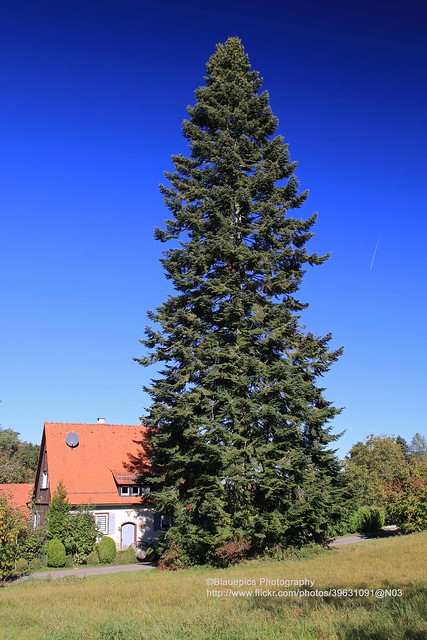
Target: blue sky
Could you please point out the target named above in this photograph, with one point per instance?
(93, 97)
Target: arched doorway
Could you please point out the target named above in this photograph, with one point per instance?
(127, 535)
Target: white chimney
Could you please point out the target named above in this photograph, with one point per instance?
(101, 420)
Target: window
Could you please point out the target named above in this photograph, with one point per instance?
(44, 480)
(162, 523)
(101, 520)
(134, 490)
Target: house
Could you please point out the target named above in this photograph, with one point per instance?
(93, 461)
(19, 495)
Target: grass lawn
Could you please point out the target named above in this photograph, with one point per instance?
(152, 605)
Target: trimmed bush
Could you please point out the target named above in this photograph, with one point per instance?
(56, 556)
(127, 556)
(35, 564)
(106, 550)
(368, 519)
(21, 565)
(93, 558)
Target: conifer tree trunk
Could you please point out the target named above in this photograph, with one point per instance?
(238, 426)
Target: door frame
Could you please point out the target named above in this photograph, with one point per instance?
(121, 532)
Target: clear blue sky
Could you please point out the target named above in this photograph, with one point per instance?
(93, 96)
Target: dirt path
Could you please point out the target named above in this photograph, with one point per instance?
(83, 572)
(339, 542)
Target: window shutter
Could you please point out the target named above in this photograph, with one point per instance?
(156, 522)
(112, 527)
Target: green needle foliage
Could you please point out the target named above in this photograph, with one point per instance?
(238, 428)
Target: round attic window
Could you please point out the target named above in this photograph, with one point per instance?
(72, 440)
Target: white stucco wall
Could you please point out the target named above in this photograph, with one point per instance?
(143, 519)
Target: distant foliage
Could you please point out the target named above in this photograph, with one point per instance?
(385, 472)
(18, 459)
(418, 446)
(56, 556)
(406, 497)
(106, 550)
(369, 465)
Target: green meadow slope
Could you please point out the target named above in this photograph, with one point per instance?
(374, 590)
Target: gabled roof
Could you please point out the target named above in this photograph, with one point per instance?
(92, 470)
(19, 494)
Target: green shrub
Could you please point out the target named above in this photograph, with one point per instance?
(21, 565)
(55, 553)
(80, 558)
(34, 543)
(127, 556)
(231, 552)
(173, 558)
(368, 519)
(93, 558)
(76, 528)
(35, 564)
(106, 550)
(79, 534)
(69, 561)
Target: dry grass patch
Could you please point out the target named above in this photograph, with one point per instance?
(151, 605)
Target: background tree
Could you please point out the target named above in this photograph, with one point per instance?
(13, 528)
(239, 429)
(388, 473)
(18, 460)
(400, 440)
(370, 465)
(418, 446)
(406, 496)
(57, 515)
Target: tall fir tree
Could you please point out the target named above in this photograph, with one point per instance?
(238, 429)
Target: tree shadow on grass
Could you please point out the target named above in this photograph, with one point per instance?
(392, 617)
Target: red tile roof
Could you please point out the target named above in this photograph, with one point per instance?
(19, 494)
(92, 470)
